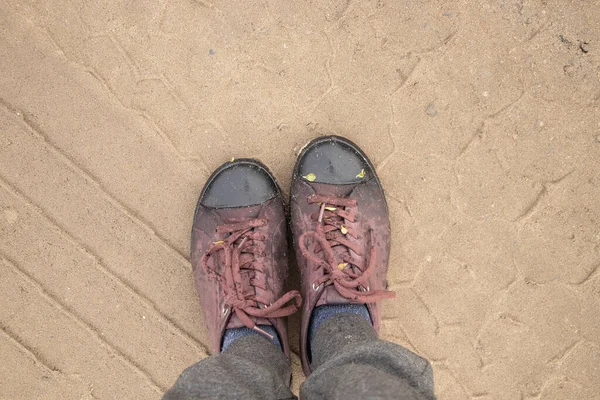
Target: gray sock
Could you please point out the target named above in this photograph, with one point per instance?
(233, 334)
(322, 313)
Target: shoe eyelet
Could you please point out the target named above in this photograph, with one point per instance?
(225, 310)
(365, 289)
(315, 287)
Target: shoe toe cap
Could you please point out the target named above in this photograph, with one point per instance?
(238, 184)
(334, 160)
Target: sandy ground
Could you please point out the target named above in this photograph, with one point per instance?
(483, 118)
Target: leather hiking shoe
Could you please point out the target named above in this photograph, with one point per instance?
(341, 231)
(239, 253)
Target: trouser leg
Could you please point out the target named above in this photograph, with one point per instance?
(350, 362)
(251, 368)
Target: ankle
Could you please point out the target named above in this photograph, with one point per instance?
(338, 332)
(322, 313)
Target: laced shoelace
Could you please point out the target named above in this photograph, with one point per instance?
(347, 274)
(244, 255)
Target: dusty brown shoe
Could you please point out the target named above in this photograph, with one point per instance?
(341, 231)
(239, 252)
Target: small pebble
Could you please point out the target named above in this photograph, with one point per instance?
(430, 110)
(211, 52)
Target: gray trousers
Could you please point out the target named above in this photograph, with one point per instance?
(348, 360)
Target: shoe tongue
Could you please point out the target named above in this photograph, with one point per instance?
(330, 296)
(235, 215)
(234, 322)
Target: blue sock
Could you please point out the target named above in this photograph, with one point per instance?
(322, 313)
(233, 334)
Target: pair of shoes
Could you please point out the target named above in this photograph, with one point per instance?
(341, 233)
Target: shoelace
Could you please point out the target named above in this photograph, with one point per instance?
(350, 276)
(243, 256)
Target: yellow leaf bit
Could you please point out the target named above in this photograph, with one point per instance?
(343, 229)
(219, 242)
(232, 159)
(342, 266)
(310, 177)
(330, 208)
(361, 174)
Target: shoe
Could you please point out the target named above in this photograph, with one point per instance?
(341, 231)
(239, 253)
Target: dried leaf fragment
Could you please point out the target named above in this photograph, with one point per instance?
(310, 177)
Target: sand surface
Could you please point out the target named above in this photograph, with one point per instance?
(482, 117)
